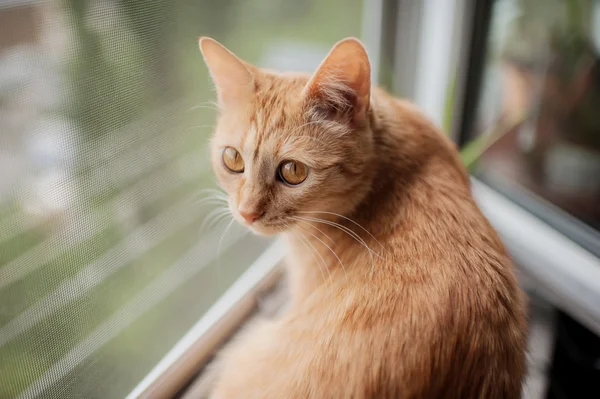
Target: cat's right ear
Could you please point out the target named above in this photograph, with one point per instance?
(233, 79)
(341, 86)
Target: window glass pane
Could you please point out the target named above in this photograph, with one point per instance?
(540, 107)
(105, 114)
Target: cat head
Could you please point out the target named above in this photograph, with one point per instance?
(288, 144)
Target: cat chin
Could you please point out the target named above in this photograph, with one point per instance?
(265, 231)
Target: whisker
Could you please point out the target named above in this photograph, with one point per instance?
(219, 251)
(223, 236)
(218, 218)
(213, 197)
(344, 229)
(350, 220)
(309, 250)
(206, 105)
(316, 228)
(328, 247)
(215, 213)
(211, 193)
(318, 253)
(210, 201)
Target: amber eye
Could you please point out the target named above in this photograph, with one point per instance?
(233, 160)
(293, 172)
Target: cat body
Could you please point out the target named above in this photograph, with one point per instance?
(400, 288)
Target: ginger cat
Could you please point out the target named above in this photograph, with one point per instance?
(400, 287)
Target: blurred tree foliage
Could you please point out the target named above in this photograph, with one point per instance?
(121, 71)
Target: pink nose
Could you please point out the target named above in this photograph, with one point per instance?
(250, 217)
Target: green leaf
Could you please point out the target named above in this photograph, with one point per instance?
(474, 149)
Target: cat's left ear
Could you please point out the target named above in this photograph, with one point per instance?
(232, 77)
(341, 86)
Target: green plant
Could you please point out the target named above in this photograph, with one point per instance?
(473, 150)
(449, 106)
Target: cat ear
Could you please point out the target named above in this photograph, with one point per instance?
(341, 86)
(231, 76)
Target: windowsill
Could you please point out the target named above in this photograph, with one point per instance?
(563, 272)
(270, 304)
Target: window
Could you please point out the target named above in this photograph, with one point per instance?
(105, 115)
(538, 102)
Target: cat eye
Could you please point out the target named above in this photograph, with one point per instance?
(293, 172)
(233, 160)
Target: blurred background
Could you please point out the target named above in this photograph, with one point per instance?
(105, 112)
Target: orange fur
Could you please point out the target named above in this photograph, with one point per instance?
(433, 310)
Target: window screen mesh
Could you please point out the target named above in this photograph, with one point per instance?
(105, 115)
